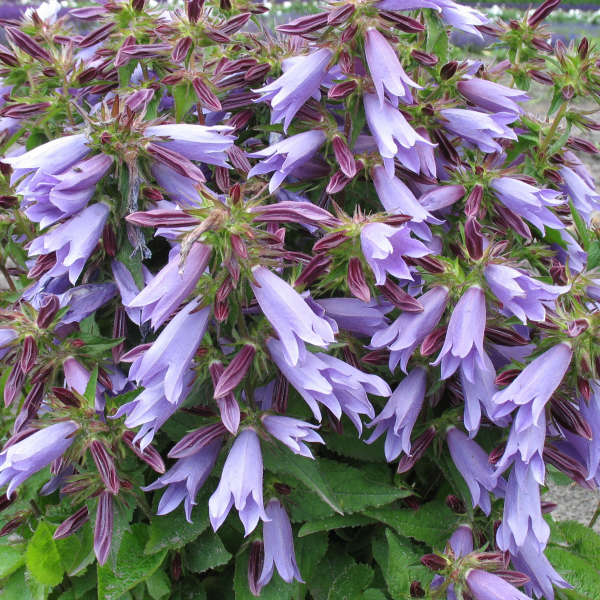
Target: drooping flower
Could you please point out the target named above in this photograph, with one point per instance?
(185, 478)
(73, 241)
(463, 345)
(195, 142)
(356, 316)
(301, 79)
(168, 359)
(48, 198)
(392, 132)
(411, 328)
(7, 336)
(294, 433)
(529, 202)
(399, 415)
(21, 460)
(522, 511)
(472, 462)
(384, 246)
(289, 314)
(83, 300)
(487, 586)
(241, 484)
(461, 541)
(386, 71)
(584, 196)
(128, 288)
(179, 188)
(463, 17)
(591, 413)
(320, 378)
(492, 96)
(285, 156)
(279, 546)
(480, 129)
(171, 285)
(520, 294)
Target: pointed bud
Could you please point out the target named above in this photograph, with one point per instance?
(401, 22)
(434, 562)
(337, 183)
(23, 110)
(376, 357)
(175, 161)
(235, 371)
(449, 70)
(72, 524)
(418, 448)
(109, 241)
(27, 44)
(304, 25)
(181, 49)
(30, 407)
(196, 440)
(433, 341)
(239, 120)
(425, 58)
(571, 467)
(29, 354)
(342, 90)
(399, 298)
(194, 10)
(344, 157)
(67, 397)
(103, 530)
(513, 221)
(583, 48)
(5, 501)
(455, 504)
(357, 283)
(576, 327)
(317, 266)
(348, 33)
(416, 590)
(505, 336)
(474, 238)
(13, 385)
(42, 265)
(541, 12)
(149, 454)
(548, 507)
(255, 566)
(205, 94)
(7, 57)
(515, 578)
(569, 417)
(280, 394)
(11, 525)
(473, 203)
(105, 465)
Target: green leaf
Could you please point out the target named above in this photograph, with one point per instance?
(593, 255)
(310, 550)
(582, 230)
(184, 98)
(334, 522)
(131, 259)
(173, 531)
(158, 585)
(580, 573)
(207, 552)
(282, 461)
(133, 566)
(432, 523)
(582, 540)
(346, 445)
(374, 594)
(351, 583)
(437, 37)
(19, 586)
(42, 556)
(12, 557)
(90, 388)
(336, 561)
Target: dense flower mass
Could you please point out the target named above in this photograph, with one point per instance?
(220, 238)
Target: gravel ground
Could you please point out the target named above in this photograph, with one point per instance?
(574, 503)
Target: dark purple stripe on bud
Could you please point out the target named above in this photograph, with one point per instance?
(542, 11)
(434, 562)
(399, 298)
(238, 159)
(12, 387)
(103, 530)
(72, 524)
(376, 357)
(340, 14)
(205, 94)
(569, 417)
(12, 525)
(222, 179)
(106, 466)
(577, 143)
(27, 44)
(305, 24)
(348, 33)
(433, 341)
(181, 49)
(193, 9)
(149, 454)
(239, 121)
(29, 354)
(430, 264)
(30, 407)
(304, 213)
(179, 163)
(161, 217)
(474, 238)
(234, 24)
(48, 310)
(416, 590)
(337, 183)
(43, 264)
(236, 371)
(515, 578)
(449, 70)
(196, 440)
(5, 501)
(571, 467)
(257, 73)
(418, 448)
(23, 110)
(401, 22)
(280, 394)
(255, 566)
(317, 266)
(513, 221)
(425, 58)
(7, 57)
(344, 157)
(455, 504)
(342, 90)
(473, 203)
(541, 77)
(541, 45)
(357, 284)
(505, 336)
(96, 36)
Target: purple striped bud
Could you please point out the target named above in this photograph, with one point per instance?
(235, 23)
(103, 530)
(67, 397)
(194, 441)
(473, 203)
(434, 562)
(181, 49)
(126, 53)
(515, 578)
(30, 407)
(304, 213)
(119, 331)
(317, 266)
(27, 44)
(473, 238)
(340, 14)
(236, 371)
(505, 337)
(577, 143)
(541, 77)
(280, 394)
(344, 157)
(449, 70)
(506, 377)
(342, 90)
(337, 183)
(205, 94)
(257, 73)
(425, 58)
(401, 22)
(149, 455)
(162, 217)
(7, 57)
(12, 525)
(5, 501)
(194, 9)
(416, 590)
(571, 467)
(433, 341)
(513, 221)
(418, 448)
(96, 36)
(541, 12)
(29, 354)
(12, 387)
(23, 110)
(179, 163)
(305, 25)
(399, 298)
(255, 566)
(106, 466)
(357, 283)
(72, 524)
(376, 357)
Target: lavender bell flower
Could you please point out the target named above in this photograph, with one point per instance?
(53, 157)
(48, 198)
(410, 328)
(591, 413)
(195, 142)
(392, 132)
(465, 18)
(294, 433)
(584, 196)
(574, 256)
(492, 96)
(521, 295)
(279, 546)
(301, 79)
(84, 300)
(241, 483)
(73, 241)
(522, 511)
(386, 71)
(285, 156)
(171, 285)
(356, 316)
(22, 459)
(472, 463)
(399, 415)
(461, 541)
(480, 129)
(185, 478)
(290, 316)
(529, 202)
(7, 336)
(169, 357)
(463, 345)
(487, 586)
(384, 246)
(128, 288)
(320, 378)
(542, 576)
(180, 189)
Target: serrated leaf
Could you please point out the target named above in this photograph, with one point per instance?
(16, 587)
(437, 36)
(184, 98)
(158, 585)
(42, 556)
(351, 583)
(374, 594)
(133, 566)
(582, 230)
(581, 539)
(12, 557)
(335, 561)
(334, 522)
(432, 523)
(207, 552)
(173, 531)
(346, 445)
(90, 388)
(593, 260)
(580, 573)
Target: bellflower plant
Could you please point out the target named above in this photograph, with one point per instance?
(222, 231)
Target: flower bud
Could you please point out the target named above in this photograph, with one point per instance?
(433, 341)
(103, 530)
(12, 387)
(569, 417)
(357, 283)
(72, 524)
(105, 465)
(196, 440)
(515, 578)
(474, 238)
(337, 183)
(507, 377)
(11, 525)
(205, 94)
(342, 90)
(399, 298)
(304, 25)
(280, 394)
(255, 565)
(344, 157)
(401, 22)
(194, 10)
(417, 449)
(28, 354)
(317, 266)
(27, 44)
(376, 357)
(434, 562)
(235, 371)
(416, 590)
(455, 504)
(181, 49)
(149, 455)
(425, 58)
(541, 12)
(340, 14)
(449, 70)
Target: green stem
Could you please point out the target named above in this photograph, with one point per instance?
(553, 127)
(595, 516)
